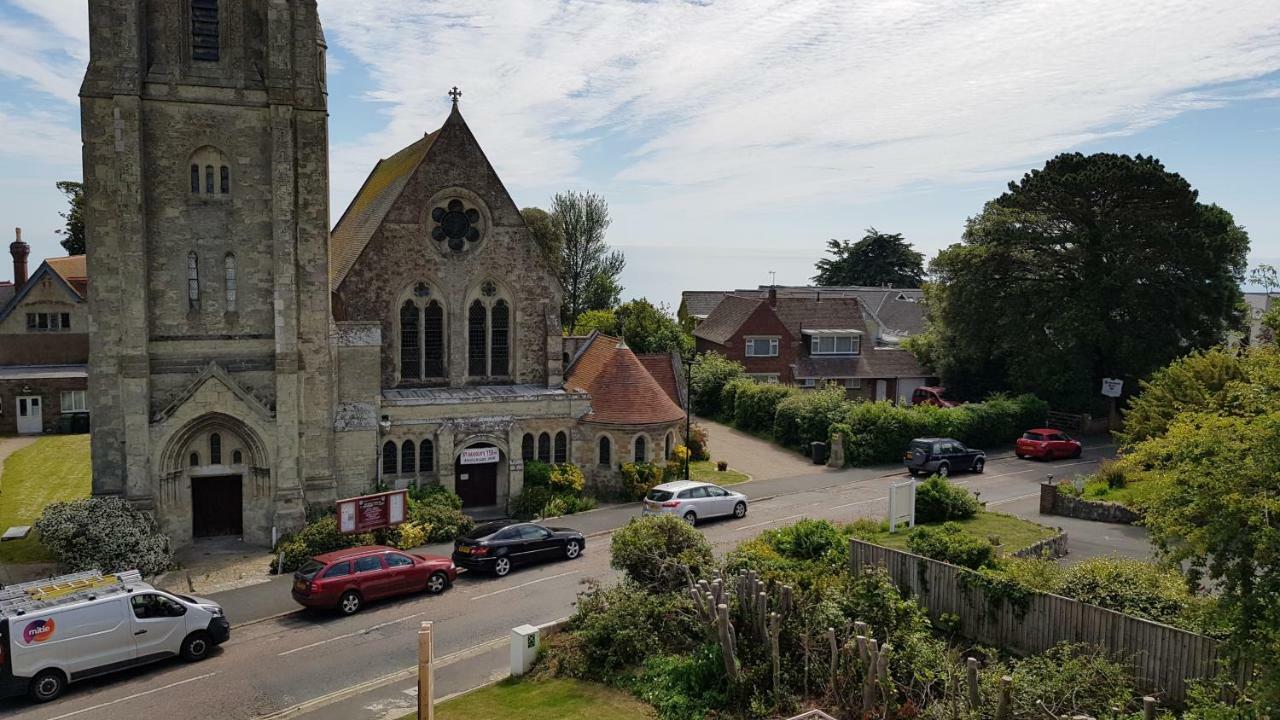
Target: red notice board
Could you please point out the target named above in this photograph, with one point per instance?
(370, 512)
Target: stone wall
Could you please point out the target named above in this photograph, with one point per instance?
(1053, 502)
(1052, 548)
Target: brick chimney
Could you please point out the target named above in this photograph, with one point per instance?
(19, 250)
(773, 296)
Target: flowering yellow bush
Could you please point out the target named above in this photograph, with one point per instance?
(567, 477)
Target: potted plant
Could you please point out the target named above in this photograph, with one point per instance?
(721, 465)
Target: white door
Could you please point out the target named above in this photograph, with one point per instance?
(29, 417)
(906, 386)
(882, 389)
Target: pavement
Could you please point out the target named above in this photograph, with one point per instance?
(283, 662)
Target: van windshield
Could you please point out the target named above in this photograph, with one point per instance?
(309, 570)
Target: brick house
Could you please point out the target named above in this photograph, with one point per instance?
(44, 345)
(810, 340)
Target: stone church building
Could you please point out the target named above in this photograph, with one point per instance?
(247, 363)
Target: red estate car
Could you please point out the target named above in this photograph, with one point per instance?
(1047, 444)
(347, 579)
(931, 395)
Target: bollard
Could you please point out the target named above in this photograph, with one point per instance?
(524, 649)
(426, 673)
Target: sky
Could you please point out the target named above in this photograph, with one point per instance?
(733, 138)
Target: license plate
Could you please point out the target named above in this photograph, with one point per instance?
(464, 549)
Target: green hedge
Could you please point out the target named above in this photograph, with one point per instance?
(756, 404)
(880, 432)
(807, 417)
(710, 373)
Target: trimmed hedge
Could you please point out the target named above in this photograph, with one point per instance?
(806, 417)
(710, 373)
(756, 404)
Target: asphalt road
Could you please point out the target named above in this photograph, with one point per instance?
(285, 662)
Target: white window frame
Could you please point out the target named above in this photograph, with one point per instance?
(79, 401)
(751, 340)
(767, 378)
(815, 345)
(808, 382)
(853, 383)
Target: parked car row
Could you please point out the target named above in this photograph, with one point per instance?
(943, 456)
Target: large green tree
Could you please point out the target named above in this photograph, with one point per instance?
(650, 328)
(877, 259)
(1095, 266)
(589, 270)
(73, 233)
(547, 235)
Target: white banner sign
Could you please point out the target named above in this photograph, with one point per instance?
(1111, 387)
(902, 505)
(479, 456)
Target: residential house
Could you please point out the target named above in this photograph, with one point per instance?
(44, 345)
(810, 339)
(891, 314)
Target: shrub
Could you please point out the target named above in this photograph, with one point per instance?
(806, 540)
(621, 625)
(442, 522)
(804, 555)
(1112, 473)
(938, 501)
(950, 543)
(320, 536)
(409, 535)
(567, 478)
(1070, 680)
(807, 417)
(697, 442)
(435, 495)
(684, 687)
(729, 396)
(756, 404)
(654, 551)
(710, 373)
(536, 474)
(639, 478)
(1134, 587)
(103, 533)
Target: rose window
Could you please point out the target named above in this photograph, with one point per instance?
(456, 224)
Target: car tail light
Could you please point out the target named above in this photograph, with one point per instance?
(671, 503)
(479, 550)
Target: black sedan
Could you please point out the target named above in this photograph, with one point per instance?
(498, 547)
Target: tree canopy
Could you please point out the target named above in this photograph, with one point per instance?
(589, 270)
(650, 328)
(877, 259)
(73, 233)
(1095, 266)
(547, 234)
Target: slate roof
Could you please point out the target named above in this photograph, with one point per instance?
(902, 317)
(622, 390)
(662, 366)
(727, 317)
(900, 311)
(700, 303)
(878, 363)
(809, 313)
(370, 206)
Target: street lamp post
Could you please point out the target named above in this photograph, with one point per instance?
(688, 400)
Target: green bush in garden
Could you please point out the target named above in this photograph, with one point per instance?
(566, 478)
(317, 537)
(756, 404)
(937, 500)
(655, 550)
(537, 474)
(711, 371)
(950, 543)
(697, 443)
(807, 417)
(103, 533)
(729, 396)
(639, 478)
(620, 625)
(684, 687)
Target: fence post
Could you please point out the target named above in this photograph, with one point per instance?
(1006, 698)
(426, 654)
(1148, 708)
(972, 675)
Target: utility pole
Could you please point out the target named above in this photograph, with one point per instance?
(688, 400)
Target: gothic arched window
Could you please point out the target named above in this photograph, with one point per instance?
(407, 459)
(433, 340)
(237, 458)
(526, 447)
(231, 282)
(500, 345)
(193, 281)
(215, 449)
(605, 450)
(410, 351)
(477, 327)
(642, 452)
(427, 458)
(489, 332)
(390, 456)
(210, 172)
(562, 448)
(544, 448)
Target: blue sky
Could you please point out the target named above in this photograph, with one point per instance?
(734, 138)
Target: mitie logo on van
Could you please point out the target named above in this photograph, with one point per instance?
(38, 631)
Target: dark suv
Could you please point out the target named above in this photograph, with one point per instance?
(942, 456)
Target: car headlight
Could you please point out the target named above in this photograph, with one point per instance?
(214, 610)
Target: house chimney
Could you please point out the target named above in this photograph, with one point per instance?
(19, 250)
(773, 296)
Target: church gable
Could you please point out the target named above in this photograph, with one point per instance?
(448, 267)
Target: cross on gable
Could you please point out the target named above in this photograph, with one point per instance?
(455, 93)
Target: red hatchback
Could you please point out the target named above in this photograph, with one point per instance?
(347, 579)
(1047, 444)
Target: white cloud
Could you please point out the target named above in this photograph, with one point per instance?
(47, 45)
(40, 137)
(743, 103)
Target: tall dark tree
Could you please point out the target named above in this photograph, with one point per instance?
(1096, 266)
(73, 233)
(589, 270)
(546, 233)
(877, 259)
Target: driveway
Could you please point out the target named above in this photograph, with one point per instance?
(760, 459)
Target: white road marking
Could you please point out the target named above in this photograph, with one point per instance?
(769, 522)
(1013, 499)
(135, 696)
(365, 631)
(517, 587)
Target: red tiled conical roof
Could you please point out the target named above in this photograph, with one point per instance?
(622, 390)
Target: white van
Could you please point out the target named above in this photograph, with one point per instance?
(58, 631)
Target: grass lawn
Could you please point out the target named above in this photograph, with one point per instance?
(1014, 533)
(51, 469)
(558, 699)
(1126, 495)
(705, 471)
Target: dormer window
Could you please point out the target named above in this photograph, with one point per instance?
(834, 342)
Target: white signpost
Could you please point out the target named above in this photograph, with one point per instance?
(902, 504)
(1111, 387)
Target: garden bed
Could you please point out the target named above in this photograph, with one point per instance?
(557, 699)
(52, 469)
(1015, 533)
(705, 471)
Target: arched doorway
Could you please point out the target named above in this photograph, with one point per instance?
(475, 473)
(216, 468)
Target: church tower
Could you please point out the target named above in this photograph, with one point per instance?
(205, 136)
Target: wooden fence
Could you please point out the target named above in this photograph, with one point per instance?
(1162, 658)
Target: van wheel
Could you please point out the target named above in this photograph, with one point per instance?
(196, 646)
(350, 602)
(943, 470)
(437, 583)
(47, 685)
